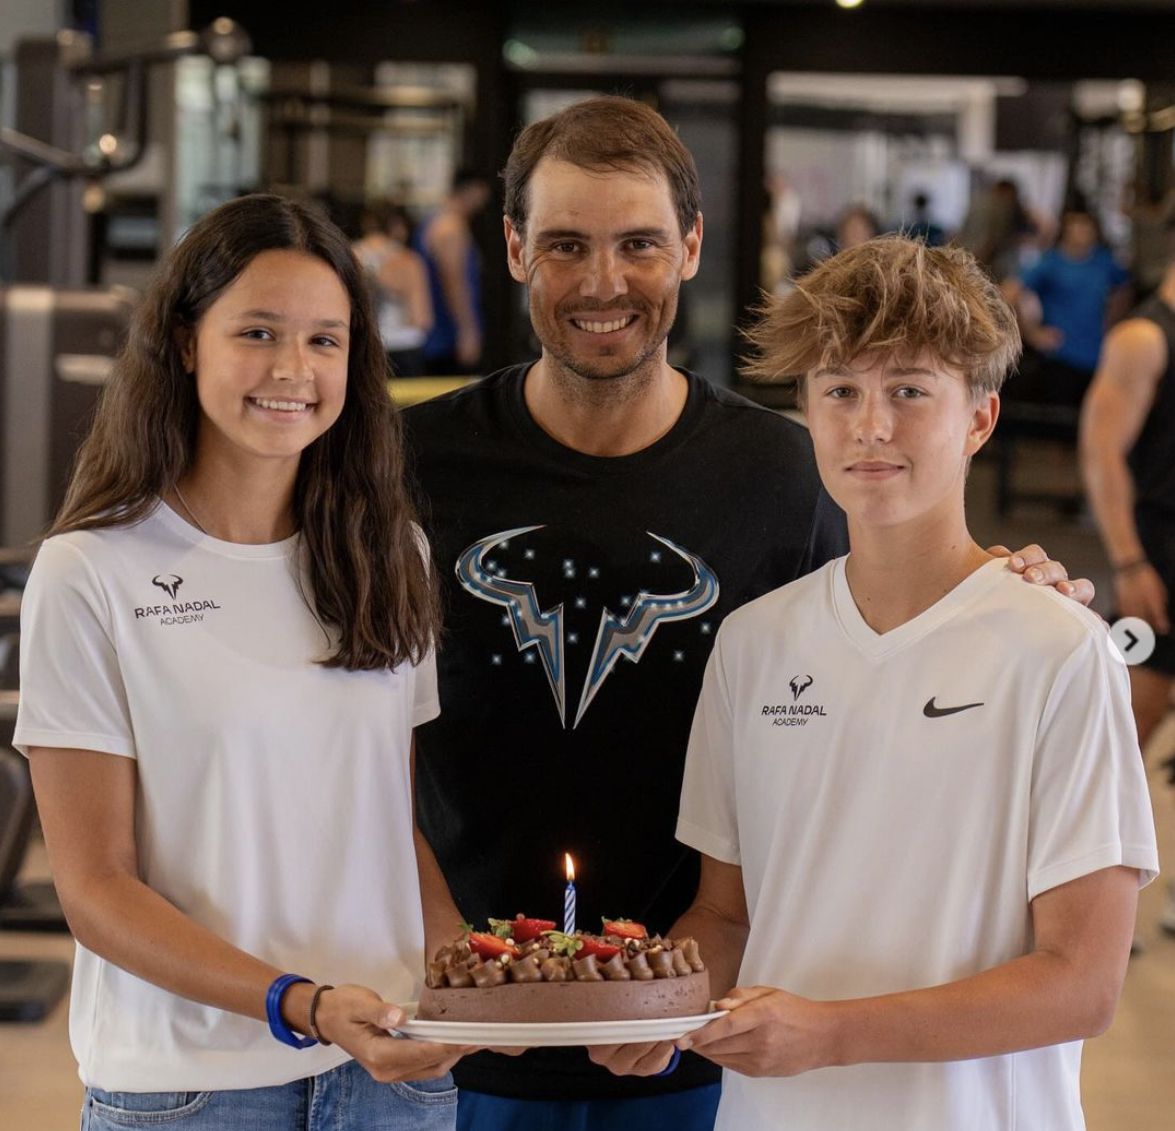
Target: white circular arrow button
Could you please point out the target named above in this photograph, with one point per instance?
(1133, 638)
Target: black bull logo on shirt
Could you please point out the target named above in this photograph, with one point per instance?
(169, 583)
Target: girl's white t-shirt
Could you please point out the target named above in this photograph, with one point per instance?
(274, 798)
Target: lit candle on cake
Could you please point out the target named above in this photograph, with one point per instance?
(569, 896)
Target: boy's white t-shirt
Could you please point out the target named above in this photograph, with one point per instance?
(274, 803)
(895, 801)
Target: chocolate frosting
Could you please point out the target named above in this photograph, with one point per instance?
(535, 961)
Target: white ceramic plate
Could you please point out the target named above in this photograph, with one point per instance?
(506, 1034)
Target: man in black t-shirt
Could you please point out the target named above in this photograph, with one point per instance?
(594, 516)
(1128, 459)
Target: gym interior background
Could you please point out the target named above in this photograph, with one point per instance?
(123, 121)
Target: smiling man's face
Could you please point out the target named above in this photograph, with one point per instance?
(603, 259)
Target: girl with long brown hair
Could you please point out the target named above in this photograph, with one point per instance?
(227, 640)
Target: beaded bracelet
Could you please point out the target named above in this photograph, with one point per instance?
(273, 1003)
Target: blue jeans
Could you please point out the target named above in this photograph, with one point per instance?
(344, 1099)
(691, 1110)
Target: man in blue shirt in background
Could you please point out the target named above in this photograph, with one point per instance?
(1079, 288)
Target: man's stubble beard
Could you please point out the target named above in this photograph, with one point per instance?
(584, 383)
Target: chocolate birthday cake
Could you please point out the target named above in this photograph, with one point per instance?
(523, 970)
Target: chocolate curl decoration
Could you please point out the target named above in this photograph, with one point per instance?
(488, 974)
(586, 969)
(526, 970)
(556, 969)
(660, 963)
(459, 977)
(689, 947)
(638, 967)
(615, 970)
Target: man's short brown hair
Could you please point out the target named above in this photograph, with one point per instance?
(610, 134)
(893, 297)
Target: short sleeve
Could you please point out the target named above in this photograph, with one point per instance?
(708, 817)
(1090, 808)
(426, 704)
(71, 688)
(829, 537)
(1117, 275)
(1035, 276)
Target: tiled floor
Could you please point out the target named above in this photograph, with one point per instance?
(1128, 1080)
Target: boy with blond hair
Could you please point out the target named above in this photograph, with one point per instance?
(915, 783)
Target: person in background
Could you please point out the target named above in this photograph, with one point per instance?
(1149, 213)
(445, 240)
(226, 642)
(1128, 464)
(783, 208)
(856, 224)
(594, 515)
(922, 226)
(400, 280)
(1064, 302)
(915, 780)
(997, 227)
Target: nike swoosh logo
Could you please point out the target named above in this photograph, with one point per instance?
(933, 712)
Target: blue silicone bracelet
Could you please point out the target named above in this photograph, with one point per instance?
(669, 1068)
(273, 1011)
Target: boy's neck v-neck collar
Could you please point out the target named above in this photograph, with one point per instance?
(879, 644)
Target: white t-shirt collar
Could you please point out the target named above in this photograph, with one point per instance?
(878, 644)
(179, 525)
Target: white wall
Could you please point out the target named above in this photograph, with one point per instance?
(22, 18)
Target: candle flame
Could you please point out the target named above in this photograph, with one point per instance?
(569, 865)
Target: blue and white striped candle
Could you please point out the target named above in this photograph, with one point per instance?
(569, 896)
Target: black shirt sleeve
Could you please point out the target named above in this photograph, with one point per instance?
(829, 536)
